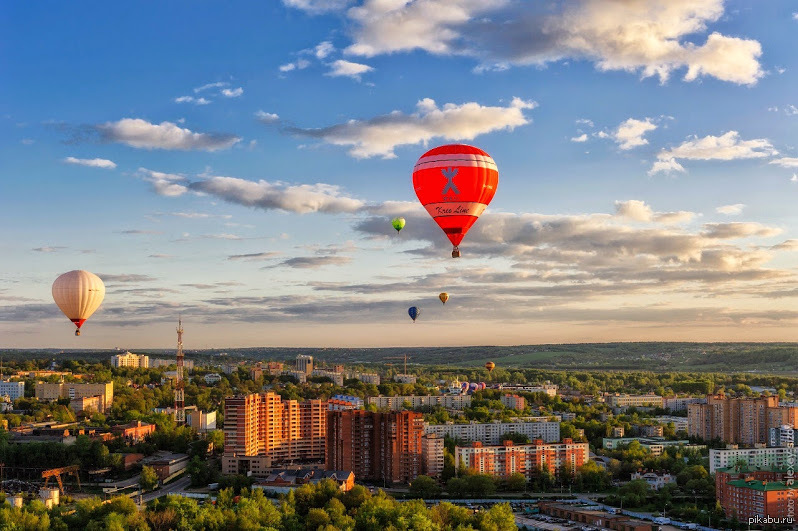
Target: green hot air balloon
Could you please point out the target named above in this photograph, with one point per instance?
(398, 223)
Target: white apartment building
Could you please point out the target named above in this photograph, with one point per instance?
(128, 359)
(780, 457)
(13, 390)
(212, 378)
(547, 388)
(336, 377)
(365, 377)
(680, 423)
(446, 401)
(490, 433)
(405, 378)
(654, 481)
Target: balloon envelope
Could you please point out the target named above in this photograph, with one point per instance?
(490, 365)
(414, 312)
(78, 293)
(455, 183)
(444, 297)
(398, 223)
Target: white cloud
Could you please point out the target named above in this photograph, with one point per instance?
(585, 121)
(795, 16)
(93, 163)
(580, 138)
(298, 65)
(168, 184)
(232, 93)
(791, 110)
(785, 162)
(647, 37)
(640, 211)
(379, 136)
(323, 49)
(630, 133)
(794, 178)
(738, 230)
(342, 68)
(731, 210)
(300, 199)
(191, 99)
(27, 141)
(267, 117)
(317, 6)
(728, 146)
(218, 84)
(142, 134)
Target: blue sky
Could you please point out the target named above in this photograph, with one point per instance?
(240, 163)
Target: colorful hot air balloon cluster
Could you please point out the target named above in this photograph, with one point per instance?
(472, 387)
(78, 293)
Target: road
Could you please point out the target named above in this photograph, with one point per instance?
(175, 486)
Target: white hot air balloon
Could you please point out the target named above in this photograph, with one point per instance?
(78, 294)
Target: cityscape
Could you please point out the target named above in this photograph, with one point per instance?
(399, 265)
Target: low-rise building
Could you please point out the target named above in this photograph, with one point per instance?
(166, 464)
(508, 458)
(133, 432)
(546, 388)
(344, 402)
(397, 402)
(86, 404)
(679, 423)
(492, 433)
(405, 378)
(656, 445)
(282, 481)
(274, 368)
(212, 378)
(624, 401)
(299, 376)
(654, 480)
(594, 517)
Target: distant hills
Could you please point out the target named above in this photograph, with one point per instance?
(709, 357)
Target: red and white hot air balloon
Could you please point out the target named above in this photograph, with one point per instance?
(455, 183)
(78, 293)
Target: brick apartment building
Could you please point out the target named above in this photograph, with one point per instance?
(384, 447)
(738, 420)
(262, 429)
(509, 458)
(749, 492)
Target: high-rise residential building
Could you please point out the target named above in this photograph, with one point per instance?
(384, 447)
(432, 455)
(263, 429)
(54, 391)
(304, 364)
(782, 436)
(514, 402)
(509, 458)
(738, 420)
(128, 359)
(13, 390)
(397, 402)
(760, 457)
(493, 432)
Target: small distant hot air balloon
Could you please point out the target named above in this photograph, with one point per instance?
(398, 223)
(464, 385)
(444, 297)
(78, 293)
(455, 183)
(482, 386)
(490, 365)
(414, 312)
(472, 387)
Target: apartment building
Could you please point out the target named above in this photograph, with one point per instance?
(680, 403)
(513, 402)
(509, 458)
(304, 364)
(491, 433)
(738, 420)
(757, 457)
(128, 359)
(13, 390)
(396, 402)
(623, 401)
(384, 447)
(262, 429)
(53, 391)
(432, 454)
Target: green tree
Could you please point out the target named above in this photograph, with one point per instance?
(148, 479)
(425, 487)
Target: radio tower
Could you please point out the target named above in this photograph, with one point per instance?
(180, 384)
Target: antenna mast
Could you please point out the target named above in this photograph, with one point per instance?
(180, 384)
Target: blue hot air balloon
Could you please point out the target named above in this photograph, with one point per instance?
(414, 312)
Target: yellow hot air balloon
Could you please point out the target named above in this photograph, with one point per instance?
(78, 293)
(444, 297)
(490, 365)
